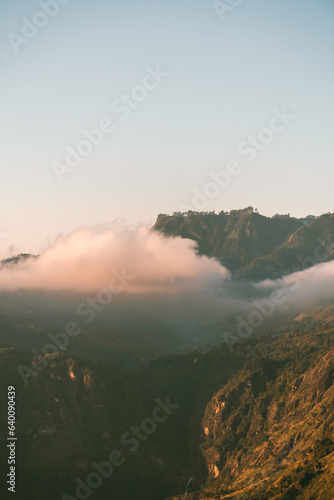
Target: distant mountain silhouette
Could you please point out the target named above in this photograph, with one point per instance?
(252, 245)
(12, 261)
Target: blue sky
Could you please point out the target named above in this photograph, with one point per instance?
(225, 78)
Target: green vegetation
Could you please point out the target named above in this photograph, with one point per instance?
(251, 245)
(257, 422)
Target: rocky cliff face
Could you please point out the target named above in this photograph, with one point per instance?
(268, 434)
(254, 424)
(253, 246)
(74, 413)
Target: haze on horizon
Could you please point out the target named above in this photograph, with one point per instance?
(137, 276)
(223, 80)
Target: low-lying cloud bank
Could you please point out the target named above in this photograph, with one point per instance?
(90, 258)
(146, 264)
(171, 298)
(305, 287)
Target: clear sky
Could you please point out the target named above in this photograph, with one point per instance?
(226, 75)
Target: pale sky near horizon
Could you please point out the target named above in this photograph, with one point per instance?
(225, 79)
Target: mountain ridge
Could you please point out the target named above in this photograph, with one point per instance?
(251, 245)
